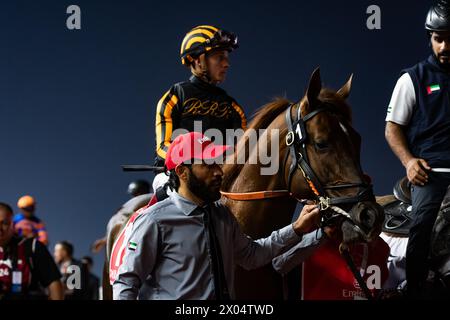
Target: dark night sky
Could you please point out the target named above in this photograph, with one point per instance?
(75, 105)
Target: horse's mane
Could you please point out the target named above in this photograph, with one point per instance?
(264, 116)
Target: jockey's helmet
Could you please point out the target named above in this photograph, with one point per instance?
(26, 202)
(138, 187)
(204, 38)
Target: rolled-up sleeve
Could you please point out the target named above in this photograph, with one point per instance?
(298, 253)
(139, 259)
(252, 254)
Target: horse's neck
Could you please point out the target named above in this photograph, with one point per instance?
(258, 218)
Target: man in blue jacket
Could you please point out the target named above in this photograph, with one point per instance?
(418, 132)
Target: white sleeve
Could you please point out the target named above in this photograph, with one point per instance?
(402, 102)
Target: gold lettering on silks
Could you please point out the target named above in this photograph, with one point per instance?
(194, 107)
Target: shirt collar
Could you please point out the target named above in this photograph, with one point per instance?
(197, 80)
(186, 206)
(202, 84)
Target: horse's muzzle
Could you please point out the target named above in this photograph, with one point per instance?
(365, 225)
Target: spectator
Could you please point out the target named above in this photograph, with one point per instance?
(25, 264)
(26, 224)
(93, 280)
(74, 274)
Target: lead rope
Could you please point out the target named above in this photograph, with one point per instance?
(362, 284)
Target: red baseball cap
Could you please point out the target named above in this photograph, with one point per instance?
(192, 146)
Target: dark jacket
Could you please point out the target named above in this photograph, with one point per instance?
(428, 132)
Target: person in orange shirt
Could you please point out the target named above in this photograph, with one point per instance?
(26, 224)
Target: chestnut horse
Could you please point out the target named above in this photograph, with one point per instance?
(319, 159)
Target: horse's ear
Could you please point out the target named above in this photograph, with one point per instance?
(344, 92)
(314, 87)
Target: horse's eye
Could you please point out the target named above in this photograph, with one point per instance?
(321, 146)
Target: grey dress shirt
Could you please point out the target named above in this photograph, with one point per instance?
(168, 252)
(299, 253)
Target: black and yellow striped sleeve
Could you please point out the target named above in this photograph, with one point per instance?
(164, 122)
(241, 114)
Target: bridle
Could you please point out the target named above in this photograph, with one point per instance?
(296, 139)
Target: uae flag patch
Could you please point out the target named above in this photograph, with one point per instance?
(433, 88)
(132, 246)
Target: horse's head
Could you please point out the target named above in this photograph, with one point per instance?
(329, 158)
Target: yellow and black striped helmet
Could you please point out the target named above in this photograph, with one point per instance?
(204, 38)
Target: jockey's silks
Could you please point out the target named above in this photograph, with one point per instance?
(195, 101)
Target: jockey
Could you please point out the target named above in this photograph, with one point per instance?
(26, 224)
(204, 50)
(418, 132)
(25, 264)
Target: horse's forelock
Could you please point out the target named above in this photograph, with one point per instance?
(330, 97)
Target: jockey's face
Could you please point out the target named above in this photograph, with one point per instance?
(218, 63)
(440, 42)
(205, 181)
(6, 226)
(28, 212)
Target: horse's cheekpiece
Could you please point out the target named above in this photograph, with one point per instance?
(329, 218)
